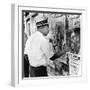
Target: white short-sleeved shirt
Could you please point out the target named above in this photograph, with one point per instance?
(38, 49)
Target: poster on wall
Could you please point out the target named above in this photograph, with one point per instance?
(47, 43)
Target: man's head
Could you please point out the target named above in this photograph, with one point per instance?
(44, 29)
(43, 26)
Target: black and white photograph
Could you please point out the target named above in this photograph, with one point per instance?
(47, 45)
(51, 44)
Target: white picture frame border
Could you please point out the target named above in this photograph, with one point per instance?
(16, 47)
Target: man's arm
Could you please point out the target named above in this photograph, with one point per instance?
(45, 47)
(59, 54)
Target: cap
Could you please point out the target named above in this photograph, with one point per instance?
(42, 23)
(34, 15)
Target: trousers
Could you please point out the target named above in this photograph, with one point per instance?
(40, 71)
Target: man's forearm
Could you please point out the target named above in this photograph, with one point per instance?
(58, 54)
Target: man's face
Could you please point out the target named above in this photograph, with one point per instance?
(45, 30)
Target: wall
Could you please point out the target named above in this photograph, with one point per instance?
(5, 45)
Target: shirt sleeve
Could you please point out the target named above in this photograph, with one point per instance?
(46, 48)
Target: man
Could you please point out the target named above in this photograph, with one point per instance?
(38, 50)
